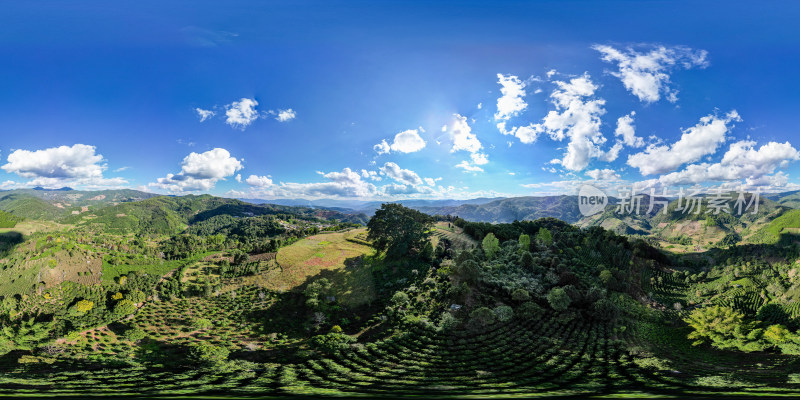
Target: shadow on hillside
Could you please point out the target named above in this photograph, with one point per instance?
(9, 241)
(787, 245)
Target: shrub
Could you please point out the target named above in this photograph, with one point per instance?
(490, 245)
(332, 342)
(82, 307)
(400, 299)
(503, 313)
(529, 311)
(206, 353)
(482, 316)
(134, 334)
(124, 307)
(559, 299)
(448, 322)
(520, 295)
(136, 296)
(202, 323)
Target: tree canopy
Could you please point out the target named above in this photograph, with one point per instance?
(398, 230)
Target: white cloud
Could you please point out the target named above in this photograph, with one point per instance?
(405, 176)
(285, 115)
(370, 175)
(212, 164)
(76, 165)
(480, 105)
(240, 114)
(239, 178)
(627, 130)
(468, 167)
(407, 141)
(695, 142)
(9, 185)
(200, 171)
(463, 138)
(577, 117)
(510, 104)
(77, 161)
(646, 74)
(204, 114)
(347, 184)
(259, 181)
(479, 158)
(602, 174)
(382, 147)
(741, 162)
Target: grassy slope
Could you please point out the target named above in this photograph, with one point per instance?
(324, 255)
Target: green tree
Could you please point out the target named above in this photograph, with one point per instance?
(316, 292)
(467, 271)
(398, 230)
(503, 313)
(448, 322)
(23, 335)
(400, 299)
(81, 307)
(529, 311)
(124, 307)
(724, 328)
(207, 354)
(558, 298)
(490, 245)
(520, 295)
(136, 296)
(202, 323)
(524, 243)
(482, 316)
(134, 334)
(544, 237)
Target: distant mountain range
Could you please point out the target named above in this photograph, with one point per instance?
(369, 207)
(132, 208)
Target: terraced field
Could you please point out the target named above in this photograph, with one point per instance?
(545, 357)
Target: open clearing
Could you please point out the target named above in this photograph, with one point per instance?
(328, 255)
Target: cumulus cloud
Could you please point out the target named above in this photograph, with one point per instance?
(465, 140)
(405, 176)
(576, 117)
(76, 165)
(370, 175)
(285, 115)
(240, 114)
(77, 161)
(258, 181)
(695, 142)
(626, 129)
(407, 141)
(467, 167)
(511, 103)
(204, 114)
(602, 174)
(200, 171)
(646, 74)
(213, 164)
(741, 162)
(347, 184)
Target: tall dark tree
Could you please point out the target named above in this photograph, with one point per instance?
(398, 230)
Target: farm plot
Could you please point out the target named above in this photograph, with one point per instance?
(333, 256)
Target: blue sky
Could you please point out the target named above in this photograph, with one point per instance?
(398, 99)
